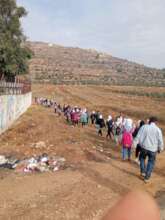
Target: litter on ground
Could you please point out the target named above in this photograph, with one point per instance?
(43, 163)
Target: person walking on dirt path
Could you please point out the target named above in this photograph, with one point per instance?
(97, 121)
(68, 115)
(109, 125)
(73, 115)
(117, 131)
(88, 116)
(59, 110)
(127, 141)
(93, 117)
(55, 107)
(76, 117)
(151, 140)
(138, 147)
(97, 117)
(128, 125)
(84, 118)
(101, 125)
(119, 119)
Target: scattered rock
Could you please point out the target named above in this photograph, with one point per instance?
(38, 145)
(99, 186)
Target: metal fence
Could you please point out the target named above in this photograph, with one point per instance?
(12, 88)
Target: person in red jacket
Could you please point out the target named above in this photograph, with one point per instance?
(127, 141)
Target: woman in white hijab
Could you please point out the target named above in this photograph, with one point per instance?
(128, 125)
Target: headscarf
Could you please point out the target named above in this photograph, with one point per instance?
(109, 118)
(128, 124)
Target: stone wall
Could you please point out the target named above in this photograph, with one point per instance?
(12, 107)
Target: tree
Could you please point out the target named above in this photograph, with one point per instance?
(13, 52)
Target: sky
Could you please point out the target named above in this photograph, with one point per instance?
(129, 29)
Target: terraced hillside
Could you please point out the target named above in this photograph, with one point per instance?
(62, 65)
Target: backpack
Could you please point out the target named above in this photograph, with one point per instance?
(127, 139)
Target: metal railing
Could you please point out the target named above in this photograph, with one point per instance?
(12, 88)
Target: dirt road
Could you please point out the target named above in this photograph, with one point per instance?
(96, 177)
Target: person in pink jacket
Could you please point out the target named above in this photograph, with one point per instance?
(127, 141)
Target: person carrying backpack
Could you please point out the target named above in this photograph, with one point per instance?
(127, 141)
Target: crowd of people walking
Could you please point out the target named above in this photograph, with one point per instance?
(145, 137)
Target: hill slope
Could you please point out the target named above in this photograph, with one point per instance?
(66, 65)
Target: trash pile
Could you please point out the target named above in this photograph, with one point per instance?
(8, 162)
(42, 163)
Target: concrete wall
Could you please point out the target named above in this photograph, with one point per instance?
(11, 107)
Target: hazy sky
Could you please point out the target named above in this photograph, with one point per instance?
(131, 29)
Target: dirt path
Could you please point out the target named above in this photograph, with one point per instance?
(96, 179)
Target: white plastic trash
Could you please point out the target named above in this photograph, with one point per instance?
(3, 160)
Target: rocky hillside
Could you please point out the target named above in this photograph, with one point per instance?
(66, 65)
